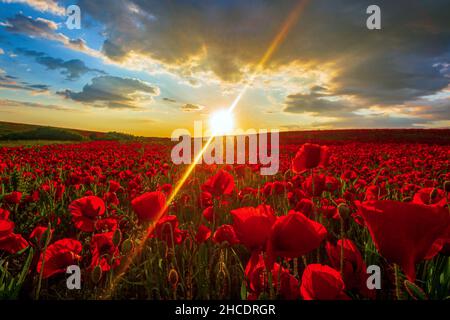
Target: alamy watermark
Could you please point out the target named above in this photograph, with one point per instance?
(73, 13)
(231, 149)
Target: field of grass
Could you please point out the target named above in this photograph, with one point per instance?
(30, 143)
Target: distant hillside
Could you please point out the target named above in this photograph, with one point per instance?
(20, 131)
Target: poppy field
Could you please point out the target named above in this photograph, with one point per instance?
(341, 220)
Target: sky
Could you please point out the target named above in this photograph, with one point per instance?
(149, 67)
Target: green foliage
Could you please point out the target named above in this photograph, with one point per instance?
(10, 285)
(113, 135)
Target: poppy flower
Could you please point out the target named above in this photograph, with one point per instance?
(305, 206)
(321, 282)
(149, 206)
(205, 200)
(354, 267)
(85, 212)
(393, 226)
(166, 229)
(111, 198)
(59, 256)
(104, 253)
(37, 233)
(314, 185)
(105, 225)
(252, 225)
(222, 183)
(13, 197)
(4, 214)
(310, 156)
(430, 196)
(203, 234)
(114, 186)
(225, 233)
(258, 282)
(294, 235)
(10, 241)
(209, 214)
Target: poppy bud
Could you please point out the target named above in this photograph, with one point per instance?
(127, 247)
(96, 274)
(117, 237)
(173, 278)
(447, 186)
(344, 210)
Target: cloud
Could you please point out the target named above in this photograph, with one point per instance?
(189, 107)
(15, 104)
(114, 92)
(47, 29)
(42, 5)
(169, 100)
(14, 83)
(318, 102)
(72, 69)
(2, 51)
(228, 38)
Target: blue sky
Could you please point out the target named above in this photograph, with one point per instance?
(149, 67)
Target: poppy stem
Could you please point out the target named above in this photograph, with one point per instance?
(397, 287)
(342, 248)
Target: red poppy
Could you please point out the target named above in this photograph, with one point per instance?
(10, 241)
(294, 235)
(393, 226)
(38, 232)
(225, 233)
(85, 212)
(203, 234)
(258, 282)
(354, 268)
(106, 225)
(4, 214)
(321, 282)
(149, 206)
(13, 197)
(114, 186)
(166, 229)
(104, 252)
(310, 156)
(252, 225)
(209, 214)
(430, 196)
(314, 184)
(59, 256)
(205, 200)
(222, 183)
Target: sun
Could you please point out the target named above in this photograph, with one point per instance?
(221, 122)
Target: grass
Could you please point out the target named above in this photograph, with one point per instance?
(31, 143)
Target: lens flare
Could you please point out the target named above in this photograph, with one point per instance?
(221, 122)
(278, 39)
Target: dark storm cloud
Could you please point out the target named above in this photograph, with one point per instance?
(390, 65)
(113, 92)
(317, 101)
(72, 69)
